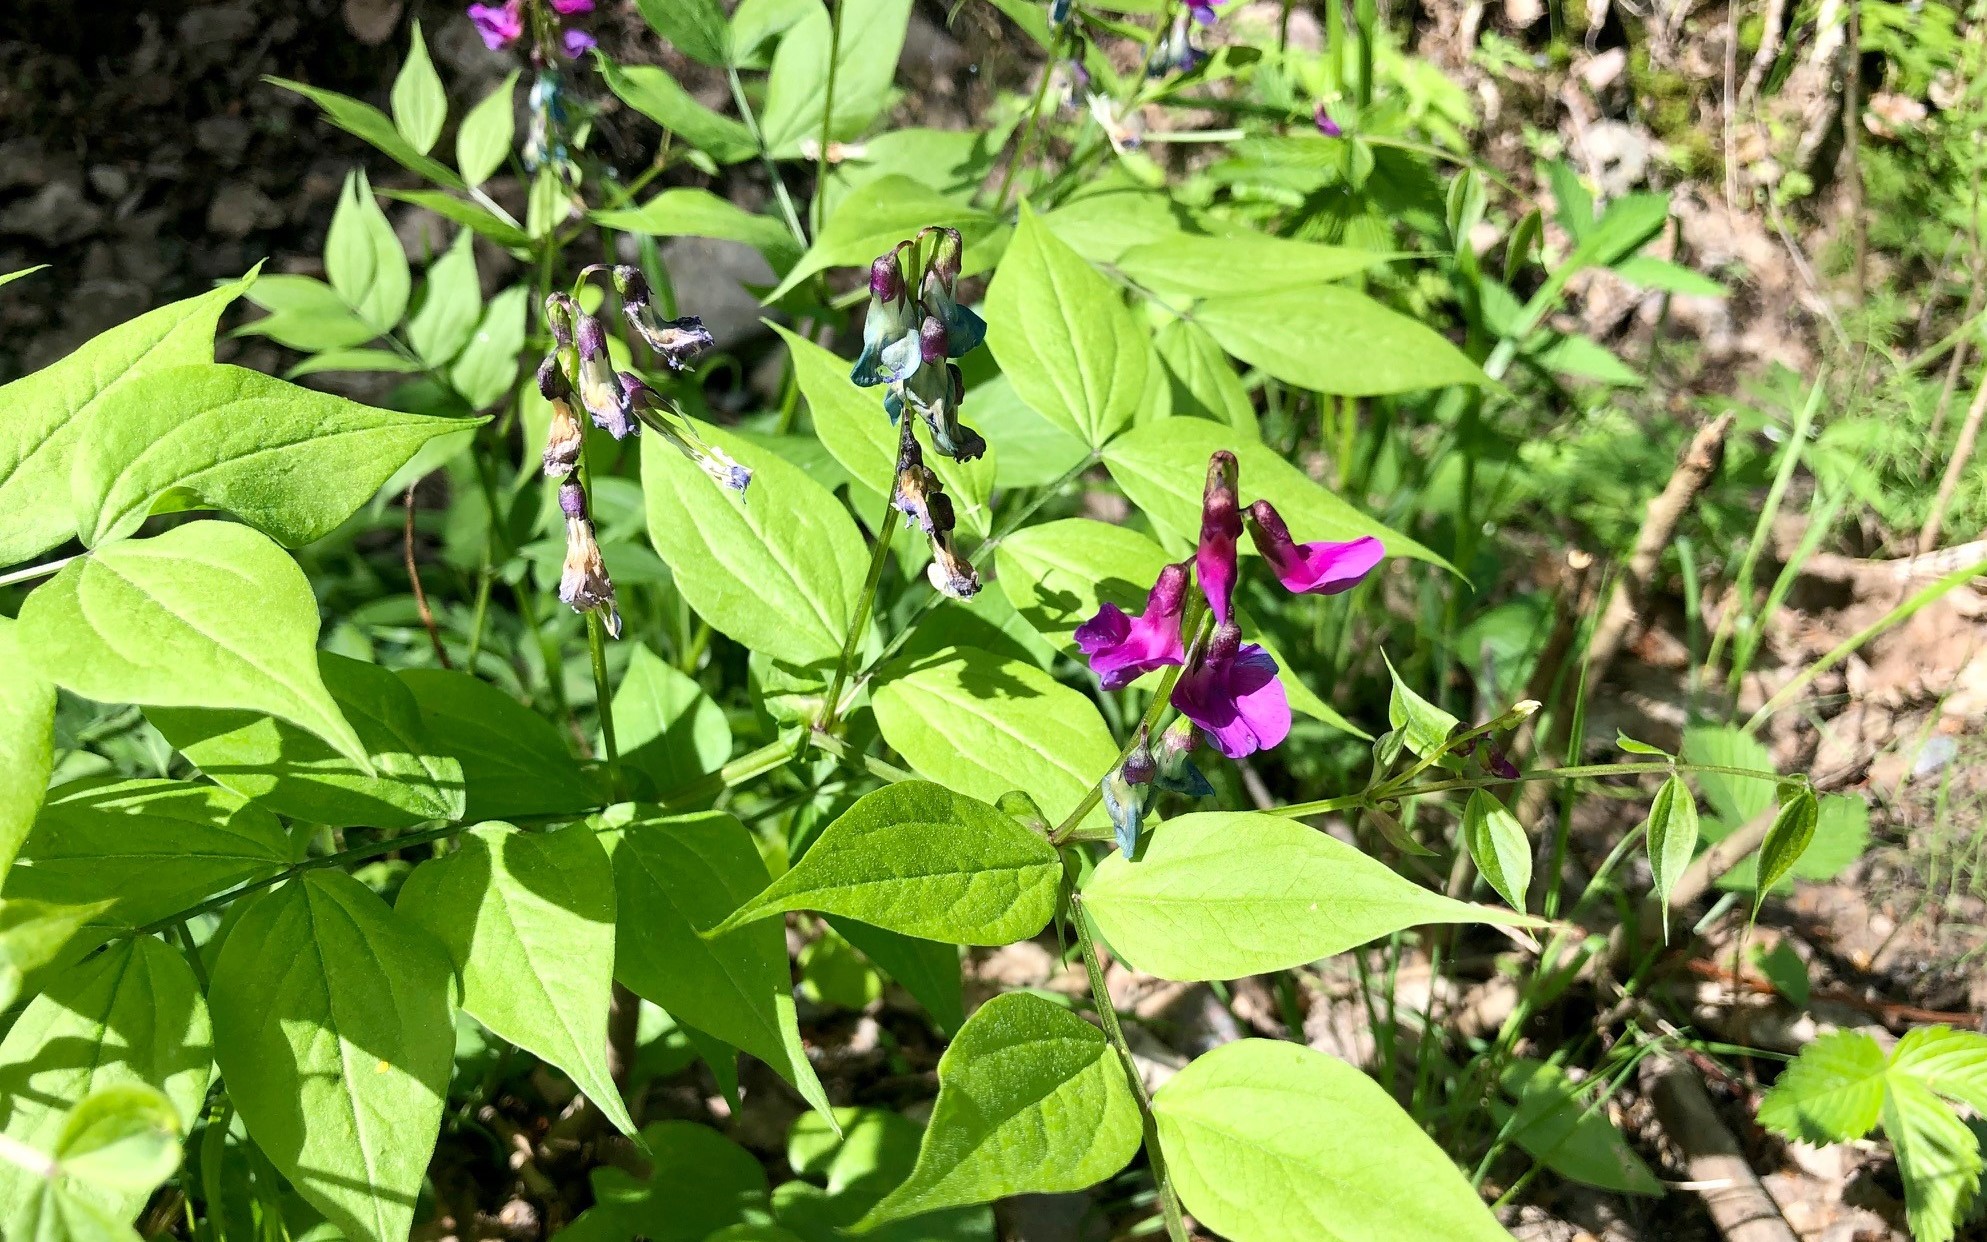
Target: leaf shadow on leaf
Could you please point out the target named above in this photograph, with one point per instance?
(983, 679)
(1057, 609)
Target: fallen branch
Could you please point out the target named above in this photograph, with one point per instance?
(1901, 571)
(1732, 1193)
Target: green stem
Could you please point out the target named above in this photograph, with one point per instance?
(1022, 147)
(765, 156)
(603, 700)
(35, 571)
(848, 754)
(827, 112)
(886, 532)
(1169, 1202)
(1370, 797)
(1160, 697)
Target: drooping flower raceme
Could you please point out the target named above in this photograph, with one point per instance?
(583, 582)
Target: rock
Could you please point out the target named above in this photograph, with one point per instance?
(238, 209)
(110, 181)
(373, 21)
(55, 215)
(223, 137)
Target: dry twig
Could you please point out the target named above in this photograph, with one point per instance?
(414, 578)
(1738, 1203)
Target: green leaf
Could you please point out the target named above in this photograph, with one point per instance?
(528, 918)
(1793, 828)
(344, 1094)
(1331, 339)
(450, 305)
(852, 425)
(872, 36)
(778, 571)
(377, 361)
(292, 462)
(1734, 800)
(53, 413)
(27, 741)
(51, 1211)
(1938, 1158)
(420, 106)
(983, 725)
(34, 934)
(295, 774)
(1555, 1125)
(513, 761)
(121, 1138)
(919, 859)
(696, 27)
(10, 277)
(1842, 833)
(369, 124)
(1499, 847)
(1109, 222)
(1832, 1093)
(1220, 895)
(304, 313)
(1624, 742)
(1163, 468)
(472, 216)
(1424, 728)
(675, 876)
(1672, 838)
(149, 848)
(756, 23)
(487, 367)
(1204, 381)
(1064, 337)
(1032, 450)
(665, 724)
(1652, 273)
(699, 1181)
(657, 96)
(205, 615)
(871, 220)
(1187, 265)
(1058, 574)
(132, 1014)
(700, 213)
(1270, 1141)
(363, 259)
(1031, 1099)
(927, 969)
(1584, 358)
(1785, 970)
(483, 142)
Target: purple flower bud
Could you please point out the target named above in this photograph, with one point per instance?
(572, 499)
(1220, 527)
(1326, 126)
(890, 341)
(606, 401)
(577, 43)
(552, 383)
(1139, 766)
(631, 284)
(572, 8)
(886, 277)
(931, 341)
(1126, 807)
(1177, 774)
(1321, 568)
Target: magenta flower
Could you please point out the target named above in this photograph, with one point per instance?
(1203, 10)
(1326, 126)
(1122, 649)
(500, 24)
(1321, 568)
(1233, 694)
(577, 43)
(571, 8)
(1220, 526)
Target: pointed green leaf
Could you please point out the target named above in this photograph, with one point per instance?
(665, 724)
(865, 54)
(1672, 838)
(1332, 339)
(1499, 847)
(292, 462)
(685, 212)
(363, 259)
(696, 27)
(927, 969)
(1188, 265)
(984, 724)
(344, 1093)
(34, 934)
(206, 615)
(514, 761)
(486, 369)
(1220, 895)
(1793, 828)
(653, 93)
(122, 1138)
(1424, 728)
(369, 124)
(152, 848)
(132, 1014)
(483, 142)
(870, 220)
(1832, 1093)
(919, 859)
(1064, 337)
(778, 570)
(53, 413)
(698, 1181)
(528, 919)
(1624, 742)
(1204, 381)
(1031, 1099)
(420, 106)
(27, 741)
(450, 306)
(1270, 1141)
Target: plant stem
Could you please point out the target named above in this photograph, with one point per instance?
(827, 112)
(765, 156)
(886, 531)
(1160, 697)
(1169, 1202)
(1369, 797)
(1027, 141)
(36, 571)
(603, 700)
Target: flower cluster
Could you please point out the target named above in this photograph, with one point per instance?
(1227, 689)
(908, 344)
(619, 403)
(502, 25)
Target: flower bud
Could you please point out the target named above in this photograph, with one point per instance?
(1220, 526)
(670, 423)
(1140, 767)
(561, 312)
(572, 499)
(583, 583)
(606, 402)
(1177, 773)
(1126, 807)
(565, 437)
(890, 345)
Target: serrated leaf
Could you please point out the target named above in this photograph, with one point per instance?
(918, 859)
(1221, 895)
(1832, 1093)
(528, 919)
(778, 570)
(132, 1014)
(984, 724)
(1064, 337)
(27, 741)
(122, 1138)
(420, 106)
(363, 259)
(665, 724)
(1672, 838)
(1952, 1063)
(344, 1093)
(1270, 1141)
(205, 615)
(483, 141)
(513, 761)
(1498, 845)
(149, 848)
(1793, 828)
(675, 876)
(1938, 1158)
(292, 462)
(53, 412)
(1031, 1099)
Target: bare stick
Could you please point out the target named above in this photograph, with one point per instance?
(1969, 434)
(414, 577)
(1737, 1202)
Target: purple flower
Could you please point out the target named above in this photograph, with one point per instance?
(1321, 568)
(1326, 126)
(577, 42)
(1122, 649)
(1203, 10)
(1232, 693)
(571, 8)
(499, 24)
(607, 400)
(890, 345)
(1220, 527)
